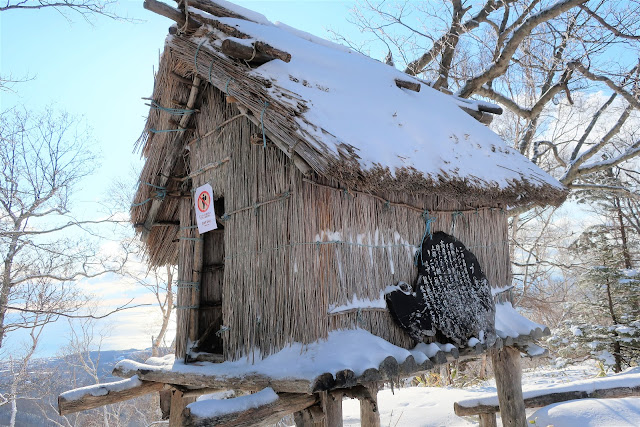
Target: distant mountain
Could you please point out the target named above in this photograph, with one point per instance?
(48, 377)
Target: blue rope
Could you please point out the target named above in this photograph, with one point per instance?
(222, 329)
(226, 88)
(428, 220)
(161, 193)
(185, 307)
(198, 50)
(264, 138)
(210, 67)
(173, 111)
(165, 130)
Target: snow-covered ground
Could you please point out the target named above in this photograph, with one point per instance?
(433, 406)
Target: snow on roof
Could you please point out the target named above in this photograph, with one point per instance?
(358, 123)
(353, 100)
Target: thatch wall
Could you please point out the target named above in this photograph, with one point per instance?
(292, 248)
(315, 246)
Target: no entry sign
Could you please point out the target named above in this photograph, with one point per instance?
(205, 215)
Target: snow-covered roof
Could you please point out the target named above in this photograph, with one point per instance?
(344, 115)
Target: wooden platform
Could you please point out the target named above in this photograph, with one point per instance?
(216, 376)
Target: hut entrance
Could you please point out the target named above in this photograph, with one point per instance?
(210, 310)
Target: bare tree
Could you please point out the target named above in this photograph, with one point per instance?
(87, 9)
(42, 158)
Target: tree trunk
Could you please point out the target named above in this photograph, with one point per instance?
(506, 365)
(166, 315)
(6, 281)
(616, 344)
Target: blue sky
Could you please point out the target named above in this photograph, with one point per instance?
(100, 71)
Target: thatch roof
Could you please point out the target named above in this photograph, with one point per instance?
(337, 113)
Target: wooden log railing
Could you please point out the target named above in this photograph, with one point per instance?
(487, 409)
(97, 395)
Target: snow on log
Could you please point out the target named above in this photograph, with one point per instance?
(615, 386)
(266, 406)
(97, 395)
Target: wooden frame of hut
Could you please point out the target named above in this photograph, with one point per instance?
(329, 170)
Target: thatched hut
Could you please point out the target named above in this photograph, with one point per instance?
(332, 175)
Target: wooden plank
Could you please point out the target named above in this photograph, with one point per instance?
(250, 382)
(506, 366)
(104, 394)
(286, 404)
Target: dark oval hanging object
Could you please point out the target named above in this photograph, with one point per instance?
(451, 295)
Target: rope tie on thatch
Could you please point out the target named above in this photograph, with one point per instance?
(226, 88)
(428, 220)
(165, 130)
(319, 243)
(264, 138)
(208, 166)
(183, 284)
(160, 194)
(255, 206)
(195, 59)
(222, 330)
(172, 111)
(186, 307)
(190, 238)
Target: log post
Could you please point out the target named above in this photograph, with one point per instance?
(369, 414)
(332, 403)
(506, 366)
(488, 420)
(178, 404)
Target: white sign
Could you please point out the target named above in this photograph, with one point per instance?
(205, 215)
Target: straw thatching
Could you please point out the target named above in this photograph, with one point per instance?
(303, 230)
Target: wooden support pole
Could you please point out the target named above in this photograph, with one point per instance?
(99, 395)
(506, 366)
(369, 414)
(178, 404)
(176, 147)
(332, 405)
(488, 420)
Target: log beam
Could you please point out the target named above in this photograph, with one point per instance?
(99, 395)
(286, 404)
(551, 398)
(235, 49)
(171, 13)
(406, 84)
